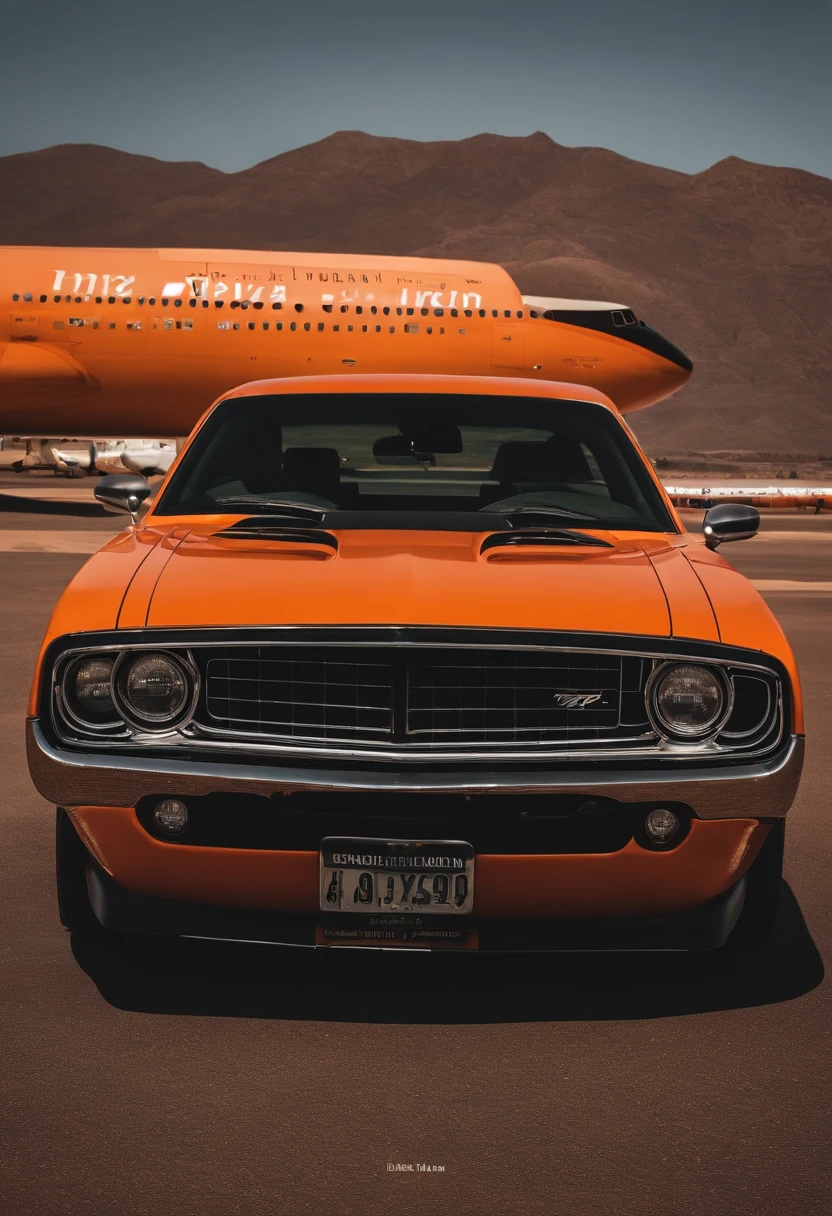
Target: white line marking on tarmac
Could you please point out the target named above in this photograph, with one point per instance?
(37, 541)
(50, 493)
(788, 584)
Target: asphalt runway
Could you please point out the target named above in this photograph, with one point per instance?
(203, 1079)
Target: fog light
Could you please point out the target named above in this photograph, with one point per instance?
(171, 816)
(661, 825)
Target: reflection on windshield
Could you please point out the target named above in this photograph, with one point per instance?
(382, 453)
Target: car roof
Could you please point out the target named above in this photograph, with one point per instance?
(412, 382)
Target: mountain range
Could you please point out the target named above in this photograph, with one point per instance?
(733, 264)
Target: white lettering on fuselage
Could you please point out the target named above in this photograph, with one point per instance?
(247, 288)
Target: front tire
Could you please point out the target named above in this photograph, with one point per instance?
(764, 884)
(74, 907)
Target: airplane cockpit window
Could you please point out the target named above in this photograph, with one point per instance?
(462, 455)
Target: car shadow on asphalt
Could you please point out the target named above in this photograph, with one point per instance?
(221, 979)
(10, 504)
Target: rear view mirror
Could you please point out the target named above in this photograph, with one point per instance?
(419, 443)
(124, 491)
(730, 521)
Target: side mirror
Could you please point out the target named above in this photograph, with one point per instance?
(730, 521)
(124, 491)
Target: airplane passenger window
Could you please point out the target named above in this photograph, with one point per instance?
(43, 299)
(265, 325)
(307, 326)
(298, 308)
(27, 296)
(320, 327)
(16, 297)
(293, 325)
(252, 325)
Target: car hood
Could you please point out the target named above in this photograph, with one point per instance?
(419, 578)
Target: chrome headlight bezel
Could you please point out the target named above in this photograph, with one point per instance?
(144, 726)
(67, 697)
(124, 723)
(687, 734)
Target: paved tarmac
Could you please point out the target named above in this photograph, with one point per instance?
(202, 1079)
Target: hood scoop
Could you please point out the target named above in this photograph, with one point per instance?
(259, 529)
(544, 537)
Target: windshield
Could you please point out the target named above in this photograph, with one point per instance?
(368, 456)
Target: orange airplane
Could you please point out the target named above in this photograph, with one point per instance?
(101, 342)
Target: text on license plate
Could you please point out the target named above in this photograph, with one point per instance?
(368, 875)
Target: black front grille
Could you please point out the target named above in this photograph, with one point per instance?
(511, 696)
(422, 695)
(301, 692)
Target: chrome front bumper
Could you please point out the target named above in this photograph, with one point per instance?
(761, 790)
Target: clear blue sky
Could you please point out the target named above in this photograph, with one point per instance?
(681, 85)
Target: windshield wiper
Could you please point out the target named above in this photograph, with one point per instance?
(280, 508)
(529, 510)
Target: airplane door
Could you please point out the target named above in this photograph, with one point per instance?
(23, 327)
(507, 346)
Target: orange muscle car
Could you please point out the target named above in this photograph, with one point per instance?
(421, 661)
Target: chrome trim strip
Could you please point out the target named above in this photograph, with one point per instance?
(762, 790)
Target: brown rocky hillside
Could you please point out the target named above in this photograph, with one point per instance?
(733, 264)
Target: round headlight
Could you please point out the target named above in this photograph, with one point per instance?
(155, 690)
(86, 694)
(687, 700)
(92, 686)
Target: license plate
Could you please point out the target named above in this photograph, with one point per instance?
(425, 877)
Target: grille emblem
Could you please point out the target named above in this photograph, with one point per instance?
(576, 700)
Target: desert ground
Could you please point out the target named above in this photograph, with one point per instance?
(210, 1079)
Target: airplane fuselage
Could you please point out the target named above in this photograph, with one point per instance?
(140, 341)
